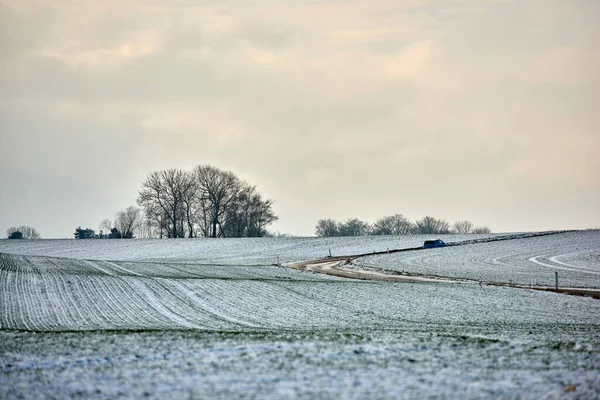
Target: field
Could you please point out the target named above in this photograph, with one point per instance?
(201, 318)
(532, 261)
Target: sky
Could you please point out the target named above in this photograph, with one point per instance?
(461, 109)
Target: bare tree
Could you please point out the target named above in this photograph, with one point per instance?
(203, 216)
(219, 188)
(152, 199)
(162, 197)
(431, 225)
(27, 232)
(106, 225)
(258, 213)
(127, 222)
(147, 228)
(205, 202)
(248, 214)
(462, 227)
(355, 227)
(396, 224)
(327, 227)
(189, 191)
(482, 230)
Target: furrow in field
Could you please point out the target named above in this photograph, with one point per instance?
(60, 305)
(156, 304)
(236, 300)
(7, 306)
(50, 295)
(173, 303)
(47, 318)
(272, 305)
(320, 305)
(267, 302)
(123, 269)
(369, 304)
(278, 305)
(251, 303)
(128, 304)
(113, 303)
(163, 270)
(183, 270)
(93, 299)
(94, 265)
(211, 305)
(76, 307)
(7, 262)
(32, 301)
(84, 304)
(23, 295)
(199, 306)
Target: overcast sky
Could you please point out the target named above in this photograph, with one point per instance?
(479, 110)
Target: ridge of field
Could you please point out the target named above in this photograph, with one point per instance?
(524, 261)
(236, 251)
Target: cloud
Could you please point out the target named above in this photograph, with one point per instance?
(301, 95)
(100, 58)
(566, 65)
(321, 177)
(410, 63)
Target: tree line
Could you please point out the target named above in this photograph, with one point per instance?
(204, 202)
(396, 224)
(22, 232)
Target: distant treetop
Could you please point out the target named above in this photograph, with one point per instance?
(22, 232)
(395, 224)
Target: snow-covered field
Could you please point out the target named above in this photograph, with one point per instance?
(529, 261)
(214, 319)
(230, 251)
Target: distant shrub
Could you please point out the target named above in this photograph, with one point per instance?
(16, 235)
(482, 230)
(25, 232)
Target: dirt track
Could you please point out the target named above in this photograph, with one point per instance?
(333, 266)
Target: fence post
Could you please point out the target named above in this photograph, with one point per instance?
(329, 252)
(556, 279)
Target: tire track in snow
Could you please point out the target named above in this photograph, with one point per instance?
(127, 271)
(213, 289)
(98, 268)
(564, 268)
(159, 307)
(555, 259)
(119, 292)
(205, 305)
(115, 293)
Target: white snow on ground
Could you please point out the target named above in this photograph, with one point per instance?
(98, 320)
(413, 362)
(530, 261)
(242, 251)
(49, 297)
